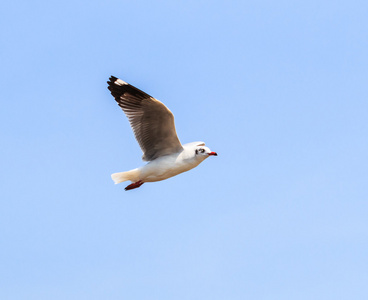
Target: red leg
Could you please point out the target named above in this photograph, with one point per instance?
(134, 185)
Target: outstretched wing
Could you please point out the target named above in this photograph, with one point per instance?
(152, 122)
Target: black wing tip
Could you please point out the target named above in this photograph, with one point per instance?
(121, 88)
(112, 80)
(115, 89)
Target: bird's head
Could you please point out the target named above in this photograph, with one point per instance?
(204, 152)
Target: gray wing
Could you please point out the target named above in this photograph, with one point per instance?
(152, 122)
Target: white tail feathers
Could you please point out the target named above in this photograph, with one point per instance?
(132, 175)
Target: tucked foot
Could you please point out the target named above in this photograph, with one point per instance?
(134, 185)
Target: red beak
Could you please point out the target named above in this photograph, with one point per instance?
(212, 153)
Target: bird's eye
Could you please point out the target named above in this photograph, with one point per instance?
(202, 150)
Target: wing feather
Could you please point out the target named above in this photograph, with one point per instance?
(152, 122)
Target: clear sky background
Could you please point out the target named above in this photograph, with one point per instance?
(277, 88)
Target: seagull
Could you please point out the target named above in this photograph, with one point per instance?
(154, 129)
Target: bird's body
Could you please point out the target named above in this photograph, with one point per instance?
(154, 128)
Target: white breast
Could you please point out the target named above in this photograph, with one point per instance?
(168, 166)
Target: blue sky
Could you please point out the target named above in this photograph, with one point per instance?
(277, 88)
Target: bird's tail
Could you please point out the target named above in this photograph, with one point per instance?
(132, 175)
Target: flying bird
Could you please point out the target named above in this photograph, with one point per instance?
(154, 129)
